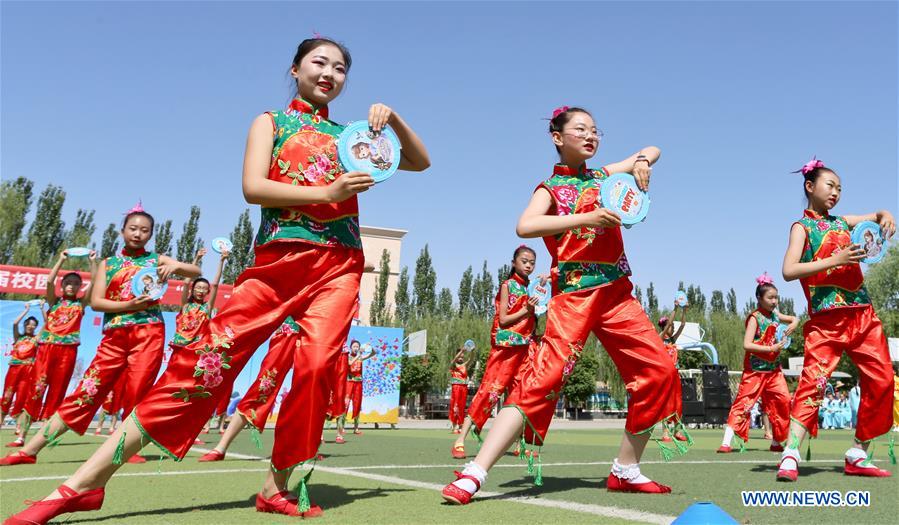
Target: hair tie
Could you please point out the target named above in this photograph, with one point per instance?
(558, 111)
(764, 279)
(809, 166)
(138, 208)
(316, 35)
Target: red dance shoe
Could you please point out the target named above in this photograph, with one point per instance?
(724, 449)
(339, 440)
(457, 496)
(285, 503)
(680, 437)
(787, 474)
(616, 484)
(137, 458)
(776, 448)
(852, 468)
(18, 458)
(16, 443)
(40, 512)
(357, 432)
(215, 455)
(666, 439)
(459, 451)
(199, 441)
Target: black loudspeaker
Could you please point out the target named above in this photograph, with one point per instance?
(716, 416)
(688, 389)
(693, 408)
(716, 400)
(714, 377)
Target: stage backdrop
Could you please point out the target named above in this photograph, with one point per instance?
(381, 374)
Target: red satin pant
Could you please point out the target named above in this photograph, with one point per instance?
(772, 388)
(260, 398)
(458, 396)
(338, 406)
(130, 354)
(354, 396)
(502, 367)
(858, 333)
(317, 287)
(627, 335)
(53, 370)
(16, 389)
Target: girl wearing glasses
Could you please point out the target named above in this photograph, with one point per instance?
(591, 293)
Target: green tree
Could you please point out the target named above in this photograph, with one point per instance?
(482, 293)
(163, 237)
(502, 274)
(379, 314)
(465, 290)
(47, 231)
(189, 242)
(109, 246)
(732, 302)
(416, 375)
(15, 202)
(242, 255)
(638, 294)
(401, 298)
(718, 301)
(882, 282)
(787, 306)
(424, 285)
(445, 303)
(652, 301)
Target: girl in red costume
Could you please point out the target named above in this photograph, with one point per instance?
(133, 338)
(257, 404)
(821, 255)
(354, 387)
(513, 329)
(762, 376)
(59, 340)
(669, 337)
(459, 389)
(197, 305)
(591, 293)
(308, 264)
(20, 375)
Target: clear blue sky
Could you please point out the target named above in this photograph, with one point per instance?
(120, 101)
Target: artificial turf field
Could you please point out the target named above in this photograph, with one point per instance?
(394, 476)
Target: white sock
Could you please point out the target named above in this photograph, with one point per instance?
(474, 470)
(728, 435)
(854, 454)
(630, 473)
(788, 455)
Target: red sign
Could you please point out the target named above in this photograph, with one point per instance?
(27, 280)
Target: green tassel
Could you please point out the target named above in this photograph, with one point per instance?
(303, 492)
(521, 448)
(530, 458)
(256, 437)
(52, 440)
(683, 430)
(808, 450)
(477, 435)
(870, 458)
(794, 441)
(742, 444)
(665, 450)
(891, 451)
(682, 447)
(538, 473)
(118, 455)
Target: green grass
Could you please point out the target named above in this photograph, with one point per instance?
(214, 497)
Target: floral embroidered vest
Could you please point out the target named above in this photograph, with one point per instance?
(119, 271)
(305, 154)
(840, 287)
(519, 333)
(189, 322)
(355, 373)
(63, 323)
(583, 257)
(459, 375)
(23, 351)
(765, 336)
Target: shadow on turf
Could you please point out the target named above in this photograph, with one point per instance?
(803, 470)
(328, 496)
